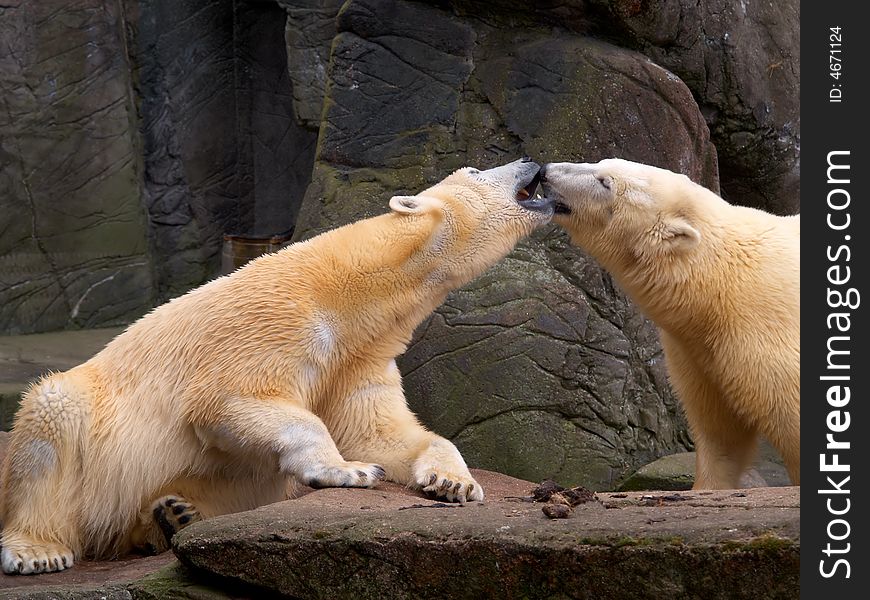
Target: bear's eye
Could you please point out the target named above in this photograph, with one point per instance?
(605, 181)
(473, 172)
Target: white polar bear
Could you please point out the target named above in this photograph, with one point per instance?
(283, 370)
(721, 282)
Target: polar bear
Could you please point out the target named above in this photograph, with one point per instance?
(722, 284)
(283, 370)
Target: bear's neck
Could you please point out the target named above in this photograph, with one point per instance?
(380, 301)
(689, 296)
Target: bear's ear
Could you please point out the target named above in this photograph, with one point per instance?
(413, 205)
(678, 233)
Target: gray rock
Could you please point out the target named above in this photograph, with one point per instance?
(86, 580)
(308, 35)
(71, 592)
(541, 368)
(276, 149)
(770, 465)
(176, 581)
(677, 472)
(223, 149)
(742, 62)
(73, 236)
(390, 543)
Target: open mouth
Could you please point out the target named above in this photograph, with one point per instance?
(528, 198)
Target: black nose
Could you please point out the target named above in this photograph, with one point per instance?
(526, 159)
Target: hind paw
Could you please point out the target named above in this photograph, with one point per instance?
(172, 514)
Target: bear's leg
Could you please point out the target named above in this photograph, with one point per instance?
(725, 449)
(388, 433)
(41, 475)
(274, 428)
(724, 444)
(783, 431)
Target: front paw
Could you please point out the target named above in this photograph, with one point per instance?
(29, 557)
(348, 474)
(445, 485)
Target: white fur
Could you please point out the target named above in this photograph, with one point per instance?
(721, 282)
(284, 370)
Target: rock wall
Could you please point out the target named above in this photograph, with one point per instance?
(223, 149)
(742, 62)
(540, 368)
(73, 233)
(135, 134)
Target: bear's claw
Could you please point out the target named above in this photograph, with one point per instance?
(451, 487)
(350, 474)
(34, 558)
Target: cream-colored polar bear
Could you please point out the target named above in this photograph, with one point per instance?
(721, 282)
(283, 370)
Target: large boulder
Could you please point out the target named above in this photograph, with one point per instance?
(73, 235)
(742, 62)
(541, 368)
(391, 543)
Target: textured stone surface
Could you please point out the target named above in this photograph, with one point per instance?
(86, 579)
(223, 149)
(176, 581)
(740, 59)
(73, 238)
(541, 368)
(742, 62)
(186, 74)
(389, 543)
(62, 592)
(309, 31)
(277, 152)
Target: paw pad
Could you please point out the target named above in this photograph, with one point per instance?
(172, 514)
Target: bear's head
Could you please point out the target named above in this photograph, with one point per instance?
(472, 219)
(624, 213)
